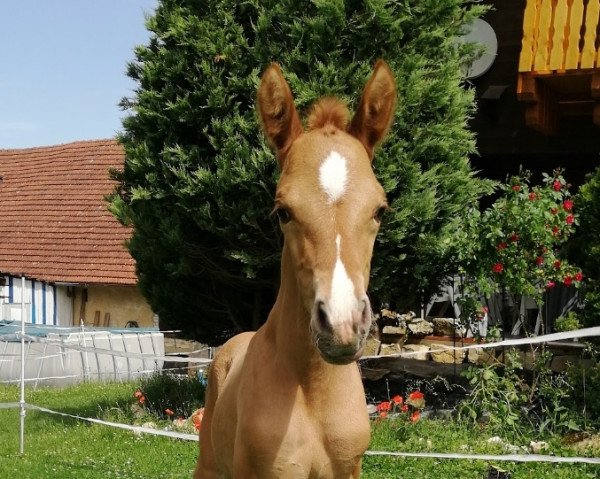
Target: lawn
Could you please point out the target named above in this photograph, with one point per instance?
(63, 448)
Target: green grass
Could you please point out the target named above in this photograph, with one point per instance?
(63, 448)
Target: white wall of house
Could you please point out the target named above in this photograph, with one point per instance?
(45, 303)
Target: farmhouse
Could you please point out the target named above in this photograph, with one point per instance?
(56, 232)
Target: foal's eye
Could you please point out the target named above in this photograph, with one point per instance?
(379, 212)
(283, 215)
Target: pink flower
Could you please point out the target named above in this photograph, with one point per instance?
(383, 414)
(142, 399)
(568, 281)
(568, 205)
(579, 276)
(169, 412)
(404, 408)
(569, 219)
(550, 284)
(556, 185)
(498, 268)
(516, 187)
(137, 394)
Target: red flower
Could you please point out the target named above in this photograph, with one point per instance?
(556, 185)
(169, 412)
(568, 281)
(485, 309)
(516, 187)
(514, 237)
(539, 260)
(555, 230)
(532, 196)
(501, 246)
(416, 395)
(137, 394)
(383, 414)
(568, 205)
(569, 219)
(550, 284)
(197, 418)
(397, 400)
(142, 399)
(415, 416)
(579, 276)
(404, 408)
(498, 268)
(557, 264)
(554, 210)
(384, 406)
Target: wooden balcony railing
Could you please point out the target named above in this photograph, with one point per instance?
(559, 65)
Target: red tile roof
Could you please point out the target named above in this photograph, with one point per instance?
(54, 222)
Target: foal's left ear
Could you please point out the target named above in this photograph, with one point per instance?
(376, 109)
(278, 114)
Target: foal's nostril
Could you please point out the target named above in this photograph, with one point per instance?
(323, 317)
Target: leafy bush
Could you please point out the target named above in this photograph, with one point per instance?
(180, 395)
(584, 249)
(515, 407)
(198, 180)
(513, 247)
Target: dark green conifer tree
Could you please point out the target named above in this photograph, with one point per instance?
(198, 182)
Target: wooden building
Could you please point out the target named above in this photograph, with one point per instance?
(538, 104)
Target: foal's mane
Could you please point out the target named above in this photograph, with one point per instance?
(328, 111)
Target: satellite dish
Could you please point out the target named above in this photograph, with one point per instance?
(482, 33)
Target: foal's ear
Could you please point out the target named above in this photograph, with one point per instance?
(376, 109)
(277, 112)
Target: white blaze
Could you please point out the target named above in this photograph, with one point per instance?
(342, 298)
(333, 176)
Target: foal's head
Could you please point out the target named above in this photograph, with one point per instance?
(329, 203)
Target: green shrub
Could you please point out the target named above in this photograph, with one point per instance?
(180, 394)
(198, 181)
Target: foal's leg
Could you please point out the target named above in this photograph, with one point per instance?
(357, 469)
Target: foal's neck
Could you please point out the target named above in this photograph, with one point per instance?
(288, 326)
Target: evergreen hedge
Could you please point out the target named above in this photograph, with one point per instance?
(199, 180)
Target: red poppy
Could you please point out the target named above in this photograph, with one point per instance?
(516, 187)
(498, 268)
(501, 246)
(568, 281)
(397, 400)
(569, 219)
(384, 406)
(416, 395)
(532, 196)
(568, 205)
(556, 185)
(550, 284)
(169, 412)
(415, 416)
(557, 264)
(579, 276)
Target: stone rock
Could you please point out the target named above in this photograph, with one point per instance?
(421, 351)
(445, 354)
(480, 356)
(420, 327)
(394, 329)
(447, 327)
(389, 349)
(372, 346)
(407, 317)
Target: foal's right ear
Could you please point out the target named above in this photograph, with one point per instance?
(278, 115)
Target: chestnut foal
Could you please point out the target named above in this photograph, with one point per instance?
(288, 401)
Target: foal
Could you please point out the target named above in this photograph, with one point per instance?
(288, 401)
